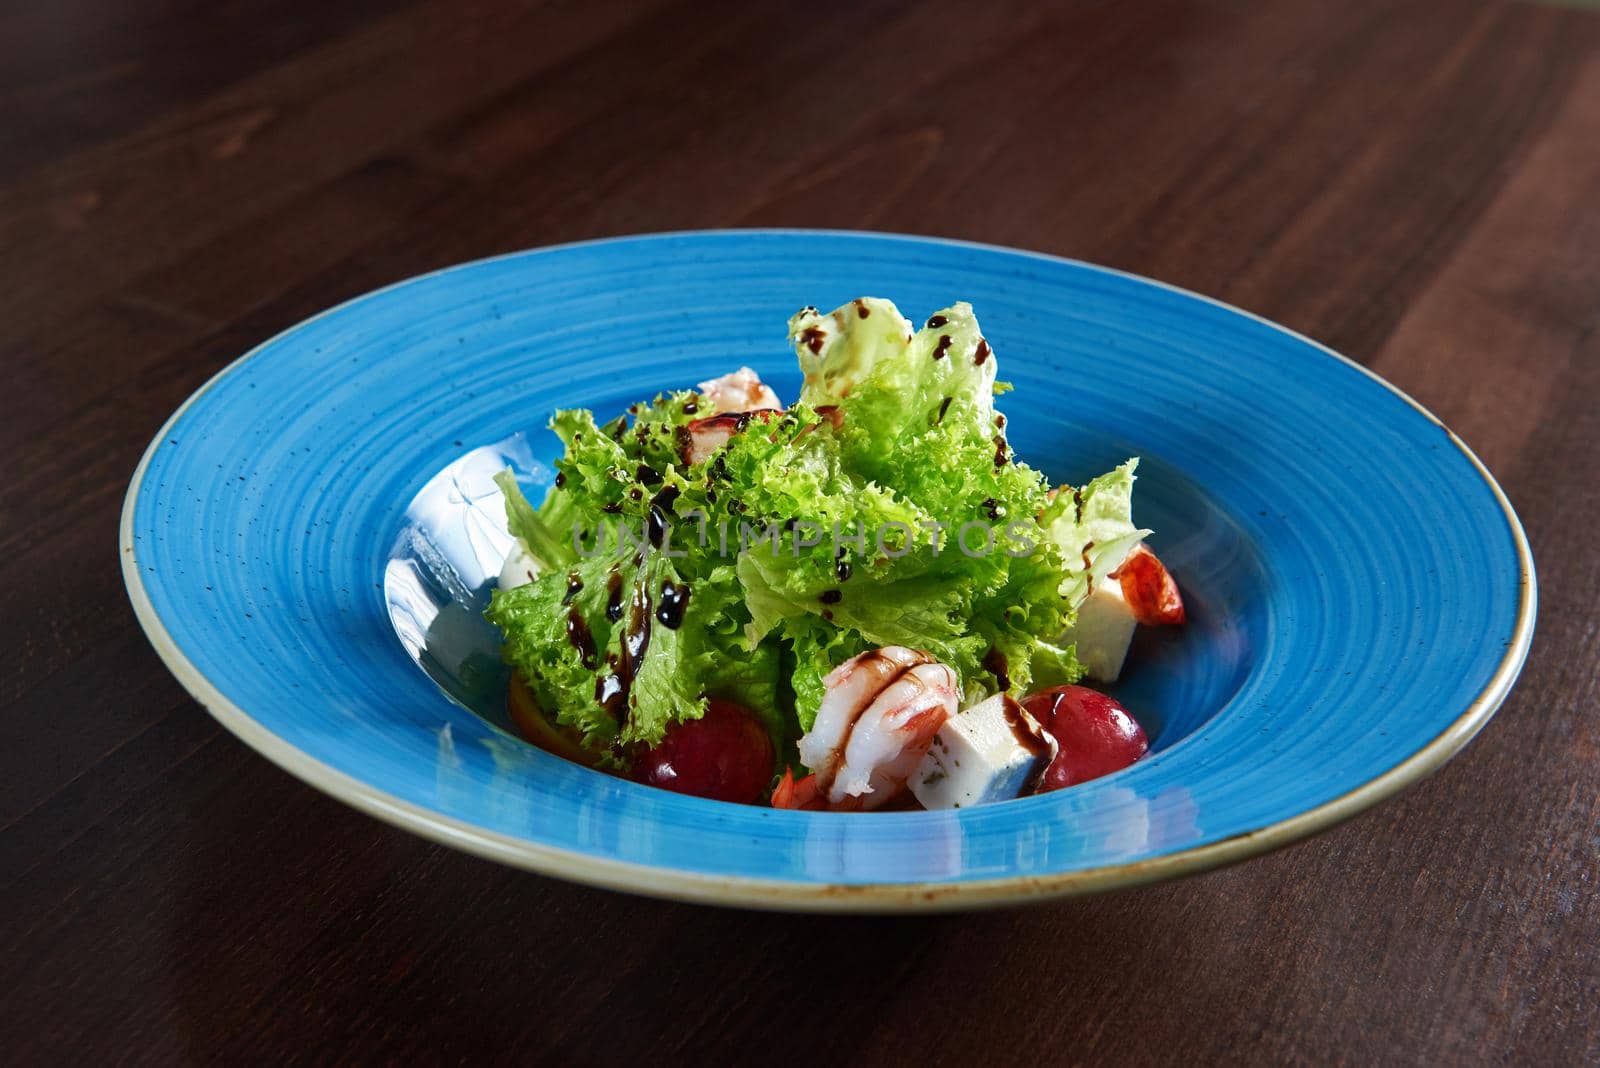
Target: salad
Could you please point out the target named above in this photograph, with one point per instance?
(861, 600)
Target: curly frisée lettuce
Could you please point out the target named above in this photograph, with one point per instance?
(1096, 522)
(883, 508)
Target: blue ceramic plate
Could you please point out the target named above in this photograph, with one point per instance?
(315, 523)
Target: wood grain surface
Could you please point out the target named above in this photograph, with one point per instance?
(1417, 185)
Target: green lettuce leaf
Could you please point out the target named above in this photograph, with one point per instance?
(883, 508)
(543, 545)
(1093, 528)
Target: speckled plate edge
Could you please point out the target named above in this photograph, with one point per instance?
(779, 894)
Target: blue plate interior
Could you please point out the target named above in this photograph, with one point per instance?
(1359, 590)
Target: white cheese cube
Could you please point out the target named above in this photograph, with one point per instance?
(1103, 631)
(994, 751)
(520, 567)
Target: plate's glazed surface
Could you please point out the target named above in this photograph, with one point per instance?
(1362, 596)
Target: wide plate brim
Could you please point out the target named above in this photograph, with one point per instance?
(1458, 726)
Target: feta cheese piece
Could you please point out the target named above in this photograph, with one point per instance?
(520, 567)
(991, 752)
(1103, 631)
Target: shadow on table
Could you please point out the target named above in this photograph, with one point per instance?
(306, 928)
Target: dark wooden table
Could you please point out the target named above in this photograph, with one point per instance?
(1418, 186)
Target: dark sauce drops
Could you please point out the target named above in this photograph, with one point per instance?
(995, 663)
(613, 689)
(944, 406)
(943, 347)
(636, 640)
(674, 599)
(614, 595)
(574, 586)
(690, 407)
(813, 338)
(1001, 458)
(830, 596)
(992, 507)
(647, 474)
(936, 321)
(841, 567)
(561, 479)
(636, 494)
(1031, 736)
(578, 634)
(608, 692)
(827, 613)
(982, 353)
(611, 507)
(861, 308)
(660, 505)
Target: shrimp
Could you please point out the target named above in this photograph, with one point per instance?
(876, 721)
(848, 690)
(797, 794)
(699, 440)
(738, 391)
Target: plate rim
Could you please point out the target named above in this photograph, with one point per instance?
(788, 895)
